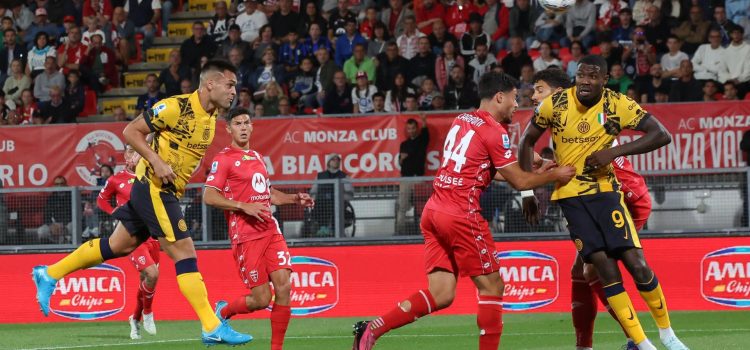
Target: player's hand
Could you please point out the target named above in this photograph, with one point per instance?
(305, 200)
(256, 210)
(600, 158)
(546, 165)
(531, 210)
(163, 171)
(537, 162)
(564, 174)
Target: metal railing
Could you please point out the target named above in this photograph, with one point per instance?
(701, 201)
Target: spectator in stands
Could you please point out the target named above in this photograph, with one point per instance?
(657, 29)
(311, 15)
(245, 100)
(38, 54)
(707, 60)
(546, 59)
(389, 64)
(412, 158)
(618, 81)
(102, 61)
(171, 76)
(302, 88)
(367, 25)
(196, 46)
(22, 16)
(323, 213)
(264, 42)
(93, 26)
(40, 25)
(7, 111)
(639, 11)
(284, 20)
(338, 99)
(693, 31)
(638, 57)
(11, 51)
(258, 110)
(315, 40)
(57, 216)
(439, 36)
(472, 37)
(186, 86)
(218, 27)
(337, 19)
(359, 62)
(125, 43)
(422, 65)
(686, 88)
(362, 94)
(55, 111)
(119, 115)
(526, 80)
(438, 103)
(457, 16)
(737, 10)
(325, 71)
(291, 52)
(285, 109)
(496, 23)
(152, 95)
(426, 93)
(711, 91)
(28, 107)
(146, 14)
(622, 33)
(378, 103)
(49, 77)
(461, 93)
(445, 62)
(649, 87)
(395, 16)
(233, 40)
(670, 61)
(429, 12)
(730, 92)
(75, 96)
(576, 53)
(548, 27)
(377, 44)
(98, 8)
(481, 63)
(736, 62)
(68, 23)
(516, 58)
(722, 23)
(521, 21)
(345, 43)
(243, 73)
(408, 41)
(396, 96)
(608, 16)
(251, 21)
(70, 54)
(580, 24)
(265, 73)
(16, 82)
(272, 94)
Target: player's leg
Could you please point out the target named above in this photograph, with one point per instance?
(142, 261)
(249, 258)
(148, 286)
(583, 306)
(281, 312)
(490, 310)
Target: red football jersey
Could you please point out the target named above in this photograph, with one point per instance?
(242, 176)
(118, 186)
(475, 146)
(632, 184)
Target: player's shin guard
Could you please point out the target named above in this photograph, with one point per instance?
(89, 254)
(279, 323)
(138, 312)
(584, 307)
(148, 296)
(654, 298)
(623, 307)
(490, 321)
(596, 286)
(408, 311)
(192, 287)
(235, 307)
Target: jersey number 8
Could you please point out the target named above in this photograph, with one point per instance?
(458, 153)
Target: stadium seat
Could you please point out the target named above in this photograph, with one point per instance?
(158, 54)
(89, 106)
(136, 79)
(534, 54)
(595, 50)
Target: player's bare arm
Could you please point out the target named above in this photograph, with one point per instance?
(135, 134)
(524, 180)
(656, 136)
(281, 198)
(214, 198)
(525, 158)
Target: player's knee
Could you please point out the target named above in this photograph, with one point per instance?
(641, 272)
(589, 273)
(444, 299)
(282, 288)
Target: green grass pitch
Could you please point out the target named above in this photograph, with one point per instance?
(699, 330)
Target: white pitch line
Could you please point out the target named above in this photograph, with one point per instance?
(511, 334)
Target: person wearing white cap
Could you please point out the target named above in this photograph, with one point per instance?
(41, 24)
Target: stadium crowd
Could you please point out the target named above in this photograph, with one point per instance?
(363, 56)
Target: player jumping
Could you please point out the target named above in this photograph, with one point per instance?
(586, 286)
(584, 121)
(145, 258)
(183, 128)
(457, 239)
(239, 185)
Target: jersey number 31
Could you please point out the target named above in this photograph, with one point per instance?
(456, 153)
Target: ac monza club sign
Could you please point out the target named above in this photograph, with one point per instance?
(695, 273)
(705, 135)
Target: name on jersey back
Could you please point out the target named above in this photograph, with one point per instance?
(450, 180)
(471, 119)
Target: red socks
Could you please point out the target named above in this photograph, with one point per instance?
(236, 306)
(279, 322)
(422, 303)
(138, 305)
(584, 308)
(490, 321)
(147, 297)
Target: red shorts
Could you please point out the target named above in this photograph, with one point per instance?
(461, 245)
(640, 209)
(256, 259)
(146, 254)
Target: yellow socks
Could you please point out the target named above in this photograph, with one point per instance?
(192, 287)
(620, 302)
(89, 254)
(657, 304)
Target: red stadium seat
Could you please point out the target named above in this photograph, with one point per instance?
(501, 54)
(595, 50)
(534, 54)
(89, 106)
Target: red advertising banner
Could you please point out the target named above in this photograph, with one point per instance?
(696, 274)
(705, 135)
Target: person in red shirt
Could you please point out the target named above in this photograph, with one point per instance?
(70, 54)
(429, 12)
(458, 241)
(238, 184)
(28, 107)
(457, 16)
(145, 258)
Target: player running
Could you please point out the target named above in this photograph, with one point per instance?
(584, 121)
(457, 239)
(586, 286)
(239, 185)
(145, 258)
(183, 128)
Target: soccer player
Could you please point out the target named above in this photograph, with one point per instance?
(584, 121)
(239, 185)
(145, 258)
(183, 128)
(457, 239)
(586, 286)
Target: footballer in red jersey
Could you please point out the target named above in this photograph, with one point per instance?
(238, 184)
(458, 241)
(145, 258)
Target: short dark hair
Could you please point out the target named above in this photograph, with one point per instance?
(411, 96)
(737, 28)
(9, 30)
(493, 82)
(378, 94)
(554, 77)
(149, 75)
(594, 60)
(626, 10)
(411, 121)
(235, 112)
(111, 170)
(218, 66)
(675, 37)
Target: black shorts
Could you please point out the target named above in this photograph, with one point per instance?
(600, 222)
(152, 212)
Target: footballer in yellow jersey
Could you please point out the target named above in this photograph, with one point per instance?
(584, 122)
